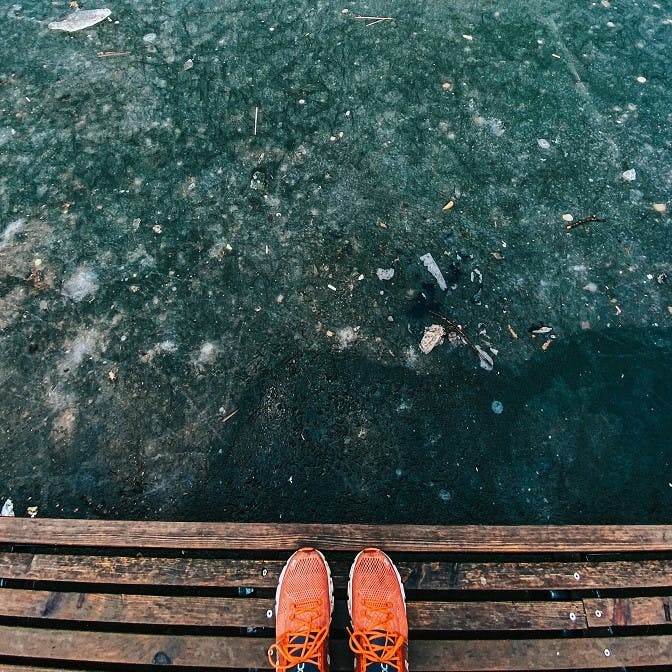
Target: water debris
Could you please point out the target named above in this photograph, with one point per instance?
(430, 265)
(540, 329)
(448, 206)
(111, 54)
(81, 19)
(511, 331)
(432, 337)
(385, 273)
(82, 284)
(497, 407)
(10, 231)
(373, 20)
(32, 511)
(660, 207)
(543, 143)
(7, 509)
(229, 416)
(585, 220)
(629, 175)
(486, 361)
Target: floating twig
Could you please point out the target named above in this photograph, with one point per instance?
(483, 356)
(373, 20)
(229, 416)
(109, 54)
(585, 220)
(256, 116)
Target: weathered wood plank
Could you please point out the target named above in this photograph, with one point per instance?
(424, 656)
(264, 573)
(6, 667)
(138, 609)
(540, 654)
(224, 573)
(602, 612)
(411, 538)
(484, 616)
(536, 575)
(258, 613)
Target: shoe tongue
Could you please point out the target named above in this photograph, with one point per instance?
(304, 667)
(381, 667)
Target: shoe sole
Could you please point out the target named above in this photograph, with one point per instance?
(282, 576)
(352, 569)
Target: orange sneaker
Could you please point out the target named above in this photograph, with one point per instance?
(376, 602)
(303, 604)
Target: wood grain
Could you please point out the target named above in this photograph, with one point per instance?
(258, 613)
(424, 656)
(287, 537)
(228, 573)
(628, 611)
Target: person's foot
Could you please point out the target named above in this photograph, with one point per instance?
(376, 602)
(303, 605)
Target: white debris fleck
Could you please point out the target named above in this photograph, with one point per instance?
(207, 354)
(660, 207)
(10, 231)
(629, 175)
(567, 217)
(346, 336)
(80, 285)
(430, 265)
(32, 511)
(432, 337)
(543, 143)
(188, 64)
(82, 18)
(7, 508)
(497, 407)
(385, 273)
(486, 360)
(590, 287)
(641, 79)
(149, 38)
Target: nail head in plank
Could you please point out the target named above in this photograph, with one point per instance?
(633, 611)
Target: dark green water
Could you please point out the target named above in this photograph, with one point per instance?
(195, 199)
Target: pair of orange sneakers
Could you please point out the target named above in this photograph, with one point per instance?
(304, 601)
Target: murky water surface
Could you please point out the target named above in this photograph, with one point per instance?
(200, 208)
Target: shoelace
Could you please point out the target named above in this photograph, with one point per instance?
(378, 644)
(303, 644)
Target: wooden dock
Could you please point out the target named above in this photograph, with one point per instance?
(102, 595)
